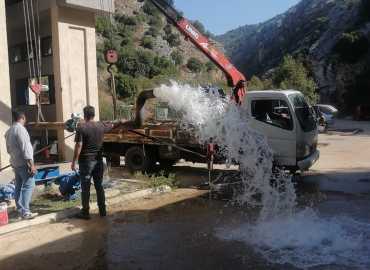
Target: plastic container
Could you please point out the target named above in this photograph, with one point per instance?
(4, 219)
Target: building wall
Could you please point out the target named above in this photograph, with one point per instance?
(16, 35)
(75, 68)
(5, 100)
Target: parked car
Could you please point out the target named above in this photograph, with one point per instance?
(329, 113)
(320, 119)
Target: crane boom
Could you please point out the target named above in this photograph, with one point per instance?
(235, 78)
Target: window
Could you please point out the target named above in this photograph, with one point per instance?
(18, 53)
(274, 112)
(46, 47)
(12, 2)
(24, 94)
(304, 113)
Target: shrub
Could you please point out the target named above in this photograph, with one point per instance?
(167, 29)
(173, 39)
(152, 31)
(210, 66)
(149, 8)
(147, 42)
(194, 65)
(103, 26)
(125, 86)
(177, 58)
(156, 21)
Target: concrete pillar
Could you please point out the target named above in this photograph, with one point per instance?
(5, 97)
(75, 68)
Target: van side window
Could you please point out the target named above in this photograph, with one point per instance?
(275, 112)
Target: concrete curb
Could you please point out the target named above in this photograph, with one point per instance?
(56, 217)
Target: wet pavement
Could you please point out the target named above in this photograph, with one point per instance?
(184, 235)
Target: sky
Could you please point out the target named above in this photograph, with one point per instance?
(220, 16)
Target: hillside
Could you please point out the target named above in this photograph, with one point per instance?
(331, 36)
(151, 52)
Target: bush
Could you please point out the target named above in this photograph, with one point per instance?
(156, 21)
(143, 63)
(173, 39)
(147, 42)
(125, 86)
(194, 65)
(210, 66)
(292, 74)
(150, 9)
(103, 26)
(177, 58)
(167, 29)
(131, 21)
(152, 31)
(351, 46)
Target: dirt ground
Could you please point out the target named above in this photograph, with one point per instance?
(175, 230)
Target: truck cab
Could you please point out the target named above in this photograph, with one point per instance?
(286, 119)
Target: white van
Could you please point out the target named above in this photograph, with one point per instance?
(287, 120)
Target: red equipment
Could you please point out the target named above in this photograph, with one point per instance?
(235, 78)
(36, 88)
(111, 56)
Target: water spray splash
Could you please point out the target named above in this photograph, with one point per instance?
(228, 126)
(282, 234)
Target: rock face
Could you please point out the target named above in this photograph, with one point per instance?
(332, 35)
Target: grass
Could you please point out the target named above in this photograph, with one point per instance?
(157, 180)
(49, 203)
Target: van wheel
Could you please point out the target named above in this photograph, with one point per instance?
(137, 160)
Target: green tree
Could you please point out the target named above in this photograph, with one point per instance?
(104, 26)
(194, 65)
(255, 83)
(125, 86)
(177, 58)
(149, 8)
(292, 74)
(173, 39)
(147, 42)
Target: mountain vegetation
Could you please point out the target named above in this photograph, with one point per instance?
(327, 41)
(151, 51)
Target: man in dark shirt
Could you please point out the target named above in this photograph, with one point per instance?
(88, 153)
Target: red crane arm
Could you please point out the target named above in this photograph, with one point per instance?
(235, 78)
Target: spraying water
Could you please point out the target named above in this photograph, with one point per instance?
(228, 126)
(281, 234)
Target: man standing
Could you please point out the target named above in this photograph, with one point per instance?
(88, 153)
(20, 149)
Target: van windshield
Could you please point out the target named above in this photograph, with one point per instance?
(303, 111)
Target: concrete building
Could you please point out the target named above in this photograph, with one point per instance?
(69, 71)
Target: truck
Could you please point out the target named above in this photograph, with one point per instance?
(284, 117)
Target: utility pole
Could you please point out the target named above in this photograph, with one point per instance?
(111, 57)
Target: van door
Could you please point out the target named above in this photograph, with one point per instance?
(274, 118)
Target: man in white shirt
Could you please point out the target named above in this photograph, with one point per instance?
(20, 149)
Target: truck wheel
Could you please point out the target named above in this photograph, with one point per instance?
(137, 160)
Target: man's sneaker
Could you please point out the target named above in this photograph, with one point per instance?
(82, 215)
(29, 215)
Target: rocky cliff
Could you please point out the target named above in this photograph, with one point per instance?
(331, 35)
